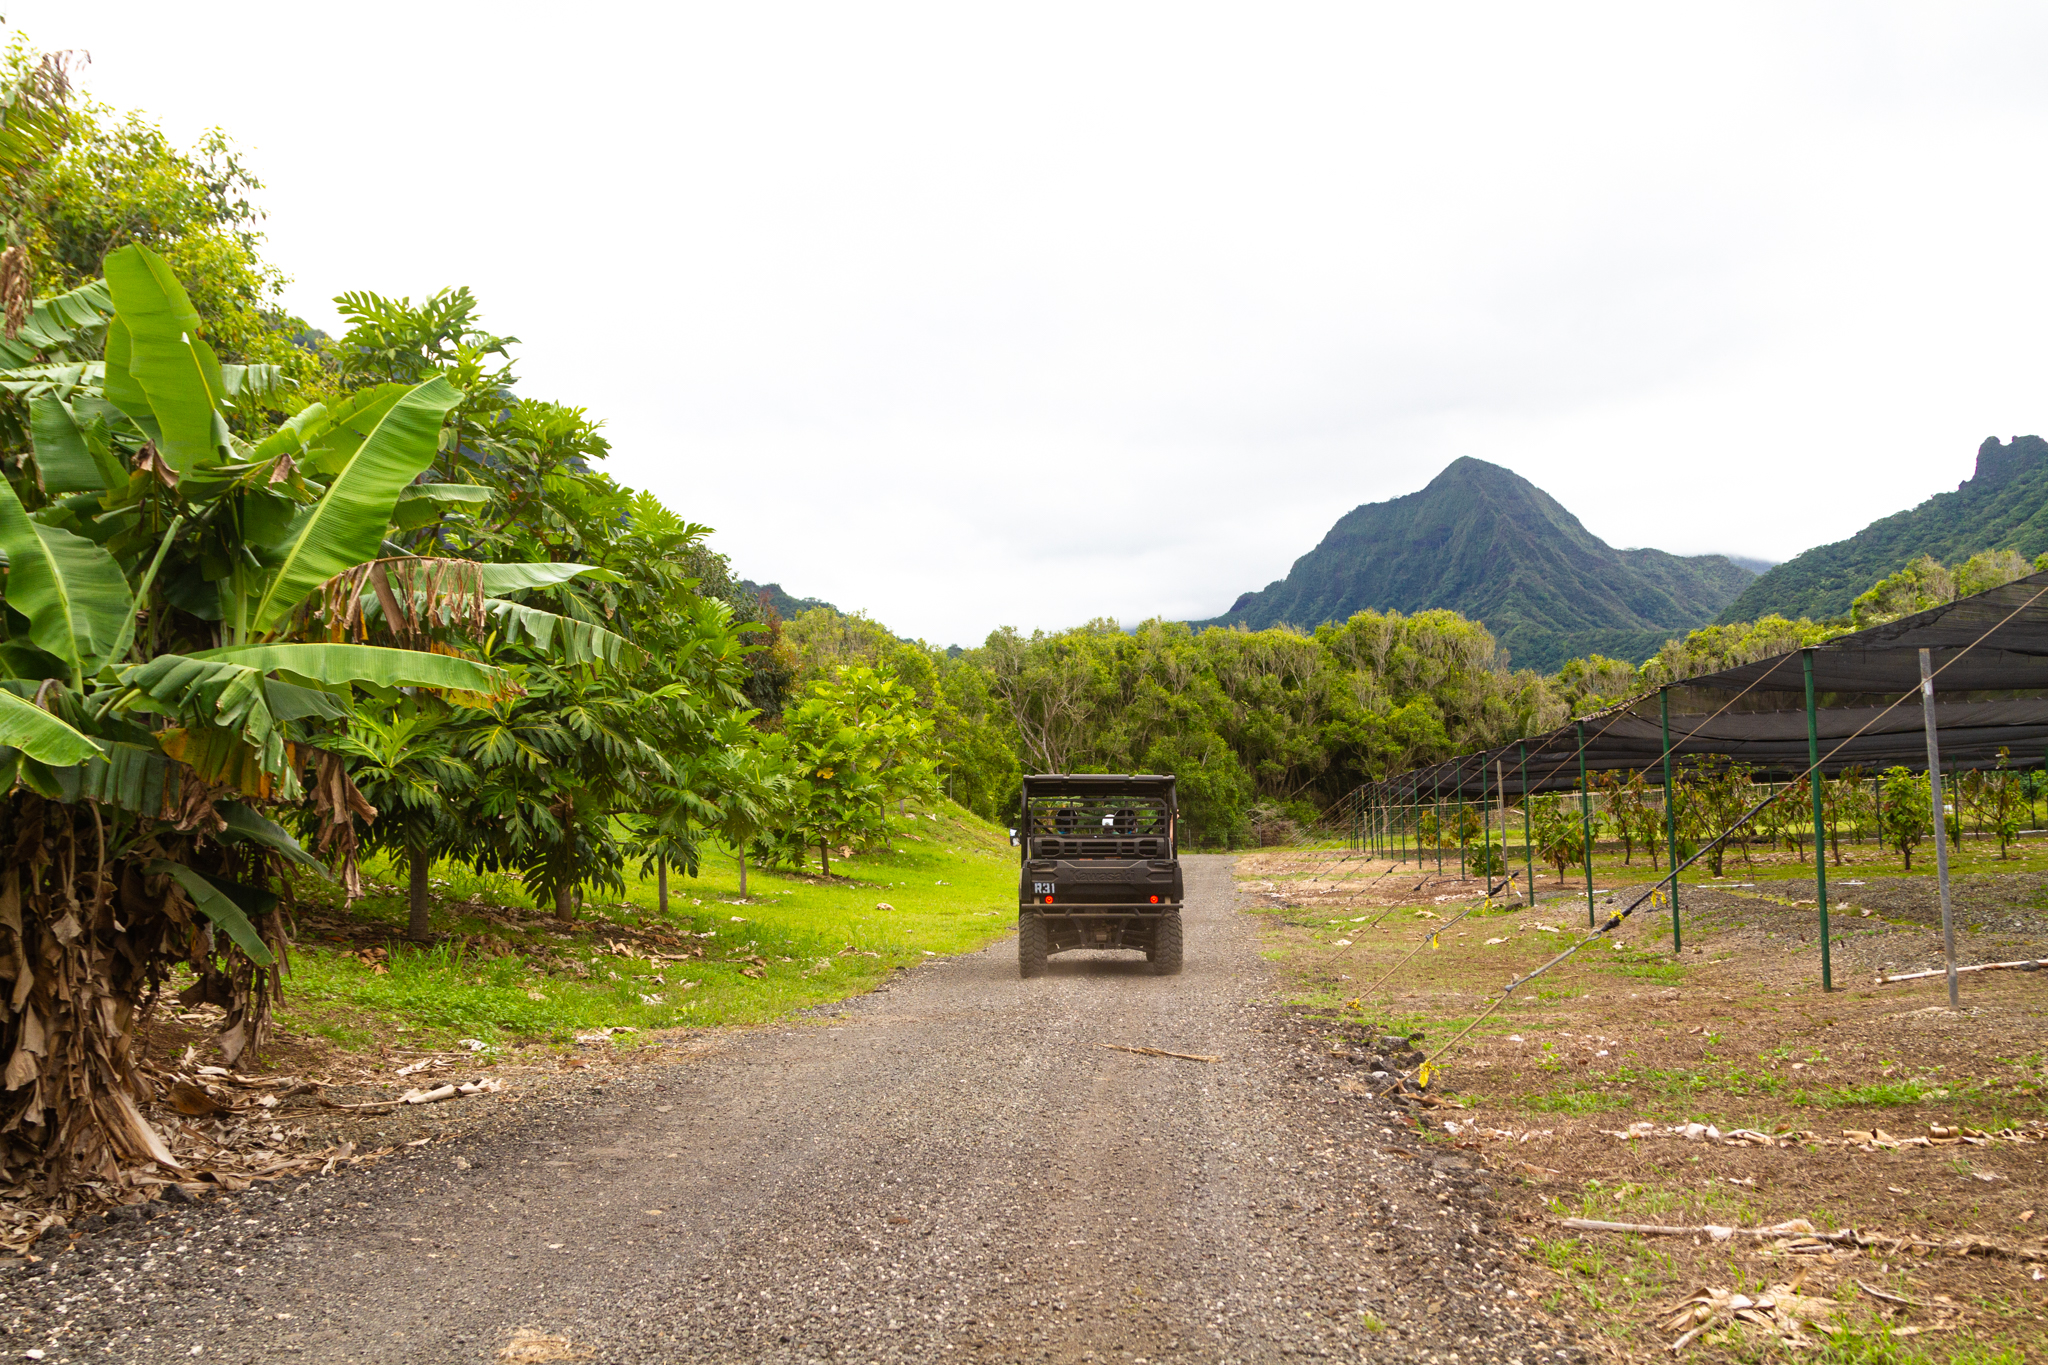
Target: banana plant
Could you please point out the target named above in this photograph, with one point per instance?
(172, 658)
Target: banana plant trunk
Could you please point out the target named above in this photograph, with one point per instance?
(418, 863)
(661, 884)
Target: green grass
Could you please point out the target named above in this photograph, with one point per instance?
(1912, 1090)
(949, 887)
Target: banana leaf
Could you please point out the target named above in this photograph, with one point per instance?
(346, 425)
(72, 592)
(177, 373)
(347, 525)
(253, 381)
(62, 378)
(126, 775)
(57, 322)
(249, 825)
(209, 692)
(71, 455)
(214, 901)
(580, 641)
(503, 578)
(40, 735)
(377, 665)
(307, 424)
(426, 502)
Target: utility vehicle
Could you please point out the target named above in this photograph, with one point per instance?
(1100, 869)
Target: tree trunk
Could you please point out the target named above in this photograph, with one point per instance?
(824, 860)
(743, 874)
(565, 904)
(661, 884)
(418, 863)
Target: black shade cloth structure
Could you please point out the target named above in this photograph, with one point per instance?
(1993, 697)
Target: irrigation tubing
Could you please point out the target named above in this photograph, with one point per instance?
(1615, 920)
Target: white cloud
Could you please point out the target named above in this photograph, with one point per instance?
(972, 317)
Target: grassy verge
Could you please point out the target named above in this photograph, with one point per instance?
(500, 971)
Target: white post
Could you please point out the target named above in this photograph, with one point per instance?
(1948, 924)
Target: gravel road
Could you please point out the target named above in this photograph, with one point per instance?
(950, 1168)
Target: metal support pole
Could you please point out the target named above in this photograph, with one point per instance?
(1500, 792)
(1948, 924)
(1528, 839)
(1436, 793)
(1486, 821)
(1670, 815)
(1820, 829)
(1586, 827)
(1459, 833)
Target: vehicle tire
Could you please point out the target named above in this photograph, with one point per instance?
(1032, 946)
(1165, 952)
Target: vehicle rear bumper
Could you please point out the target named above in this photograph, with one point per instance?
(1078, 908)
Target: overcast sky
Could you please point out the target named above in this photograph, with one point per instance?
(972, 315)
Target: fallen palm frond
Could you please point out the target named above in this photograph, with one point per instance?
(1799, 1234)
(1862, 1139)
(1781, 1309)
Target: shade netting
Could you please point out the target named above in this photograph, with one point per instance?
(1990, 653)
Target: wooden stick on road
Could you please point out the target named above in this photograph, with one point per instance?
(1158, 1052)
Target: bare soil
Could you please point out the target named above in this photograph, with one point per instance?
(1734, 1032)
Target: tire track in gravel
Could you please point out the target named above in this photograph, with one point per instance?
(950, 1168)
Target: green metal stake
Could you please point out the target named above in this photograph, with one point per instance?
(1436, 792)
(1820, 833)
(1486, 816)
(1670, 813)
(1528, 840)
(1586, 827)
(1460, 827)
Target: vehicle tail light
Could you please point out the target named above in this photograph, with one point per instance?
(1155, 900)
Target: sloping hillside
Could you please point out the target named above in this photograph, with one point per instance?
(785, 605)
(1484, 541)
(2004, 506)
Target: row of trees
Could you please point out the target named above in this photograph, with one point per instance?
(1258, 725)
(1893, 808)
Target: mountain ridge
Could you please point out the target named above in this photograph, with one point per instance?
(2003, 505)
(1481, 540)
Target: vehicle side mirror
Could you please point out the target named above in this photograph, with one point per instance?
(1013, 838)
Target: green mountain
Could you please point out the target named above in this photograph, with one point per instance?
(785, 605)
(1486, 542)
(2004, 507)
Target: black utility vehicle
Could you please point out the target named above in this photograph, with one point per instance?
(1100, 868)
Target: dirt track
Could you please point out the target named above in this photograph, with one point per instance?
(948, 1169)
